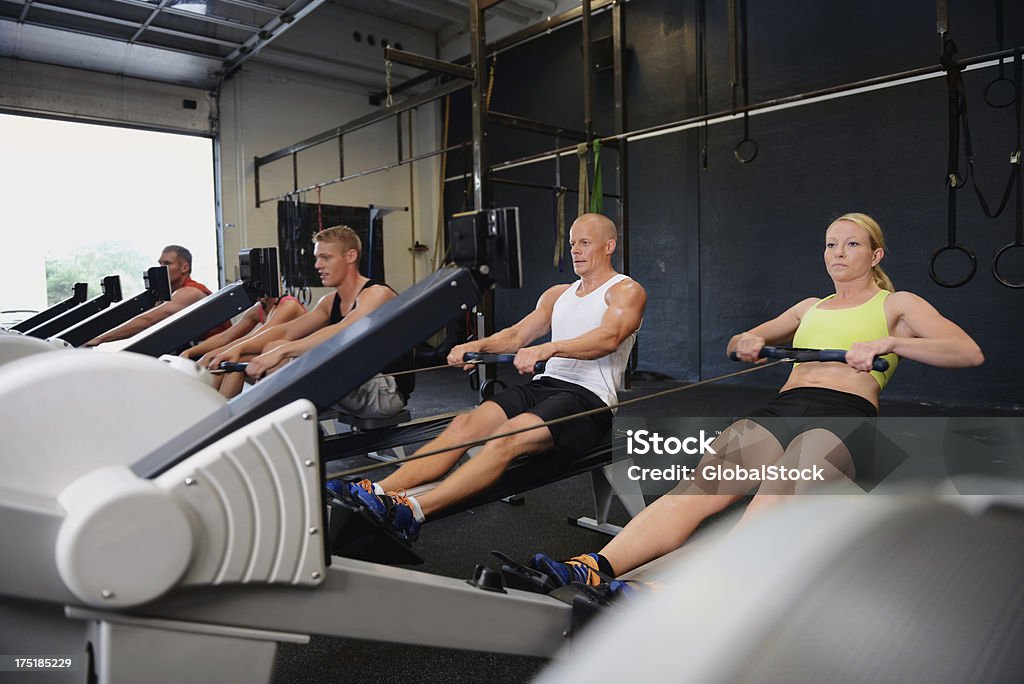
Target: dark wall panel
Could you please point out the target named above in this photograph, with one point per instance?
(723, 248)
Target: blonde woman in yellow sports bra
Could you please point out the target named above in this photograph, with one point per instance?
(804, 423)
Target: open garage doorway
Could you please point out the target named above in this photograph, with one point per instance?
(83, 201)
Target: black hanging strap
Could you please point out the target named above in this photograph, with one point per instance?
(1017, 176)
(746, 149)
(1001, 91)
(954, 180)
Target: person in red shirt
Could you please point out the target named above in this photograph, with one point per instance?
(184, 293)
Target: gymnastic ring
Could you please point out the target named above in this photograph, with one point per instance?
(488, 388)
(958, 248)
(988, 93)
(995, 265)
(751, 146)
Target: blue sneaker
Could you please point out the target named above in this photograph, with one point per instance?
(393, 510)
(401, 518)
(338, 488)
(362, 492)
(582, 569)
(622, 589)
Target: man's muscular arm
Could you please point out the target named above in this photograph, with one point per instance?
(514, 337)
(626, 301)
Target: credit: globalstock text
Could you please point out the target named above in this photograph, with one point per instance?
(643, 442)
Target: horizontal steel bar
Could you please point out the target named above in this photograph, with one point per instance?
(268, 33)
(124, 22)
(250, 4)
(509, 41)
(363, 121)
(532, 125)
(205, 18)
(434, 65)
(542, 186)
(360, 174)
(909, 75)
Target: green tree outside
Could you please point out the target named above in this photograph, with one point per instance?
(90, 264)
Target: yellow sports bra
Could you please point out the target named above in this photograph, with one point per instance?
(841, 328)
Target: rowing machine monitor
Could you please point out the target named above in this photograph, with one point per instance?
(79, 294)
(111, 286)
(158, 282)
(158, 289)
(487, 243)
(258, 267)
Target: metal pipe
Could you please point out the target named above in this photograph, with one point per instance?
(481, 170)
(479, 105)
(510, 41)
(619, 72)
(363, 121)
(359, 174)
(259, 7)
(542, 186)
(588, 105)
(205, 18)
(253, 45)
(149, 20)
(728, 115)
(619, 92)
(24, 11)
(534, 126)
(421, 62)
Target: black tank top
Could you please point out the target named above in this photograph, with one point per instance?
(405, 383)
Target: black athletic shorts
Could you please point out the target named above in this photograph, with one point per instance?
(549, 398)
(801, 409)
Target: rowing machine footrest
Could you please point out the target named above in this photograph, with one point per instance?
(365, 424)
(519, 576)
(487, 578)
(585, 607)
(354, 533)
(587, 602)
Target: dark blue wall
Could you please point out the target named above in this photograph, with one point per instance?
(723, 248)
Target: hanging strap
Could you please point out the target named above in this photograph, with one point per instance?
(439, 232)
(559, 227)
(1001, 91)
(597, 192)
(957, 113)
(583, 185)
(746, 149)
(1018, 176)
(958, 119)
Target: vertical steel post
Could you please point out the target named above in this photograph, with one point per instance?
(621, 123)
(588, 104)
(478, 55)
(341, 157)
(481, 174)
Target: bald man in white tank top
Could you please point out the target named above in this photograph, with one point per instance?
(593, 323)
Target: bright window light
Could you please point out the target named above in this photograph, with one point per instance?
(84, 201)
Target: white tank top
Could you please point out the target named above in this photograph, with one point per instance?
(573, 316)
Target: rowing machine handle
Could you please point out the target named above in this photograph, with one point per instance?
(233, 366)
(839, 355)
(482, 357)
